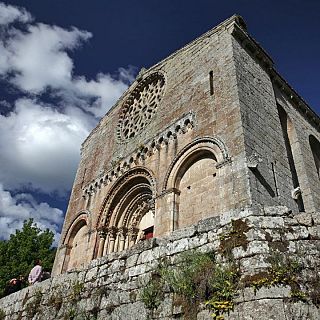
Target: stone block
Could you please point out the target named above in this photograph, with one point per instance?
(208, 224)
(274, 292)
(182, 233)
(132, 260)
(110, 300)
(276, 211)
(198, 241)
(304, 219)
(137, 270)
(265, 222)
(133, 311)
(296, 233)
(177, 246)
(146, 256)
(316, 218)
(91, 274)
(315, 232)
(254, 247)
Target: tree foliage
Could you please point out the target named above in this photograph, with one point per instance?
(17, 254)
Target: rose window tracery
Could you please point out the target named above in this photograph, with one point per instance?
(140, 106)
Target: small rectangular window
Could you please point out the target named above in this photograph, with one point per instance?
(211, 83)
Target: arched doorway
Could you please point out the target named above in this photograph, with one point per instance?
(128, 213)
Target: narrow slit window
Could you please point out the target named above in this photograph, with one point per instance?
(275, 178)
(211, 83)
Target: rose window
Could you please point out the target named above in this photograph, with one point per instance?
(141, 105)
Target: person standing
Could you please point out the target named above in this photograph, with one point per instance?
(35, 273)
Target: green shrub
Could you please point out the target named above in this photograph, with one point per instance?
(151, 295)
(196, 279)
(2, 314)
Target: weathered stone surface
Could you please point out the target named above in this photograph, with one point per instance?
(304, 219)
(112, 289)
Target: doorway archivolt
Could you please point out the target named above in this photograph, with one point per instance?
(127, 215)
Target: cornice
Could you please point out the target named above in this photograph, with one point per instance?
(260, 55)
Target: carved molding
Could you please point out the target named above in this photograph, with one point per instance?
(207, 142)
(182, 125)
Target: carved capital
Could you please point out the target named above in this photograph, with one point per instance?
(112, 232)
(296, 193)
(102, 232)
(122, 231)
(133, 232)
(253, 161)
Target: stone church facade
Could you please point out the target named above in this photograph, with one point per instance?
(210, 150)
(213, 128)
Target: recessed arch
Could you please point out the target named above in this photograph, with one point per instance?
(315, 148)
(193, 179)
(120, 187)
(76, 242)
(204, 145)
(83, 217)
(130, 200)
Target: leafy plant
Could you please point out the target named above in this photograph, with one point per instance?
(223, 286)
(2, 314)
(77, 289)
(17, 254)
(196, 279)
(56, 300)
(283, 271)
(70, 314)
(33, 307)
(151, 295)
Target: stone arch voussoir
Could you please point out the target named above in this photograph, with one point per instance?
(106, 209)
(81, 219)
(211, 145)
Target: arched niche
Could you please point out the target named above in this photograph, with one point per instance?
(128, 213)
(193, 177)
(195, 181)
(76, 242)
(315, 148)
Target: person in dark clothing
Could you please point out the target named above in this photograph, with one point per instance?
(14, 285)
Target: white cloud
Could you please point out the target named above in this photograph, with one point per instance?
(40, 146)
(39, 142)
(38, 58)
(10, 14)
(15, 209)
(105, 88)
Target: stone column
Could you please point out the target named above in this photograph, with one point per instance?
(105, 249)
(171, 197)
(112, 231)
(122, 237)
(133, 233)
(102, 235)
(65, 254)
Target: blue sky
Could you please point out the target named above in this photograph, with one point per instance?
(63, 64)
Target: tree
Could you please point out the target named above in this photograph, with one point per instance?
(17, 254)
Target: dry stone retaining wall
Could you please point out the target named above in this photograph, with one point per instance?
(110, 287)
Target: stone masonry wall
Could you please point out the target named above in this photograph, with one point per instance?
(110, 287)
(271, 182)
(308, 178)
(187, 89)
